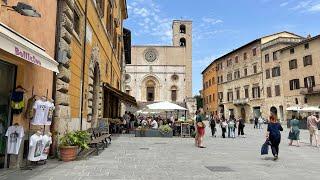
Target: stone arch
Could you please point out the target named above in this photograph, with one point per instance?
(183, 42)
(148, 83)
(174, 93)
(183, 29)
(95, 88)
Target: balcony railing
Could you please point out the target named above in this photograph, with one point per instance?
(310, 90)
(241, 101)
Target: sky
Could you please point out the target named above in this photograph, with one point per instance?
(219, 26)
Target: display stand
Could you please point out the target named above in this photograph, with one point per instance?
(27, 166)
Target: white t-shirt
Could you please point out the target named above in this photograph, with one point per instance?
(35, 148)
(48, 112)
(41, 108)
(47, 141)
(154, 124)
(15, 135)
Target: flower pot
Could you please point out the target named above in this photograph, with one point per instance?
(68, 153)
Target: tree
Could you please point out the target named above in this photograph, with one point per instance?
(199, 101)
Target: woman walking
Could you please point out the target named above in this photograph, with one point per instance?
(200, 130)
(231, 127)
(213, 124)
(274, 136)
(294, 134)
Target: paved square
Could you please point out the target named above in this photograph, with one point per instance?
(177, 158)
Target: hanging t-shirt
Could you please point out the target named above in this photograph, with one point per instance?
(40, 108)
(15, 135)
(35, 148)
(47, 141)
(48, 112)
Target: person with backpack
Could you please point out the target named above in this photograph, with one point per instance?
(241, 125)
(212, 121)
(223, 125)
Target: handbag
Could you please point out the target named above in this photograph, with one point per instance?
(265, 147)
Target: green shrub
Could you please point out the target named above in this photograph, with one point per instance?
(75, 138)
(164, 129)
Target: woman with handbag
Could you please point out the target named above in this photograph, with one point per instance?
(274, 136)
(200, 130)
(294, 133)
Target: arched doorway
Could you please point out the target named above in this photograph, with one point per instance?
(274, 111)
(150, 85)
(243, 113)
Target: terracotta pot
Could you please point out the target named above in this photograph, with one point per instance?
(68, 153)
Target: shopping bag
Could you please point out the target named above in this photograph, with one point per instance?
(265, 148)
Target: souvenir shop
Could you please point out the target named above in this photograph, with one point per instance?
(26, 107)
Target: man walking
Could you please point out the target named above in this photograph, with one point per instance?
(212, 121)
(313, 128)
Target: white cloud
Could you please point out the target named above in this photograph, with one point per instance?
(146, 16)
(211, 20)
(314, 8)
(284, 4)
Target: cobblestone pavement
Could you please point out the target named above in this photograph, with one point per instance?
(177, 158)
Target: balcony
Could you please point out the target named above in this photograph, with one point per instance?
(311, 90)
(243, 101)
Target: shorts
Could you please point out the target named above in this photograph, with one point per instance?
(313, 131)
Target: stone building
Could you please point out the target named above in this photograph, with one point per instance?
(90, 53)
(163, 73)
(242, 84)
(300, 73)
(210, 89)
(272, 65)
(27, 52)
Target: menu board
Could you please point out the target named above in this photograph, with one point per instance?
(185, 130)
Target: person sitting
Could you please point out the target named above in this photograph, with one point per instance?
(154, 124)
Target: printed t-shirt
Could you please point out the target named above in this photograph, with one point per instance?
(39, 117)
(15, 135)
(47, 141)
(48, 112)
(35, 148)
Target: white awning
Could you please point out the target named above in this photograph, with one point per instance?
(18, 45)
(167, 106)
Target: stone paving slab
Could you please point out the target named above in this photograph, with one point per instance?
(177, 158)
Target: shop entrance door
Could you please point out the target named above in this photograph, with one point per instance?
(7, 81)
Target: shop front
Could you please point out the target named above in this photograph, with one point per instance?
(26, 72)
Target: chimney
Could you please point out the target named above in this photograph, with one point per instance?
(309, 36)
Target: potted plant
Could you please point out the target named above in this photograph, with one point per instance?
(165, 130)
(70, 142)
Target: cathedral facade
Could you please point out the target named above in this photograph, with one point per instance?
(162, 73)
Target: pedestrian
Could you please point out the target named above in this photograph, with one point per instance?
(241, 126)
(212, 121)
(312, 125)
(294, 131)
(231, 127)
(200, 130)
(223, 125)
(255, 122)
(274, 136)
(260, 122)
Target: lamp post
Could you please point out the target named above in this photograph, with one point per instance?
(24, 9)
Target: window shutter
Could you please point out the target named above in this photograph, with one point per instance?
(306, 82)
(313, 81)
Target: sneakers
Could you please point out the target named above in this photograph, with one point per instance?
(275, 157)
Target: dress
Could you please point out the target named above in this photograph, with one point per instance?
(201, 130)
(295, 132)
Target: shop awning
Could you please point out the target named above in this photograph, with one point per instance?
(18, 45)
(124, 97)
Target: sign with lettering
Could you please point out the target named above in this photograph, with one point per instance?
(27, 56)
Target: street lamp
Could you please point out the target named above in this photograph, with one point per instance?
(24, 9)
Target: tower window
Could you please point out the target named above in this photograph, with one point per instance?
(182, 42)
(182, 29)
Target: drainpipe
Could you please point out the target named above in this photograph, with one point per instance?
(83, 61)
(56, 49)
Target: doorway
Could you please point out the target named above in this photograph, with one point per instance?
(243, 113)
(7, 83)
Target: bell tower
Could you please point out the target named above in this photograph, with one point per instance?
(182, 37)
